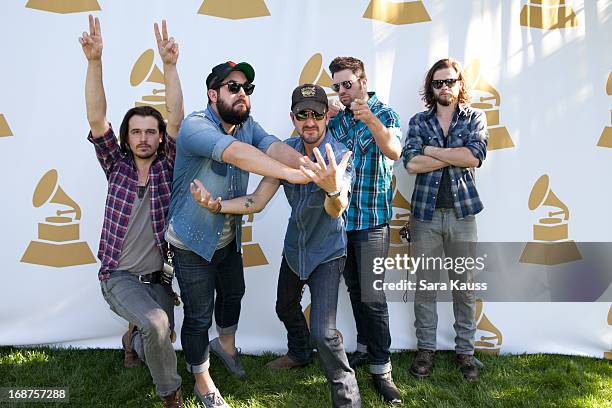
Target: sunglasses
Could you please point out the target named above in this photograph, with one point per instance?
(303, 115)
(344, 84)
(438, 83)
(234, 87)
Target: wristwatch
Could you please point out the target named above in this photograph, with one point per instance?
(333, 194)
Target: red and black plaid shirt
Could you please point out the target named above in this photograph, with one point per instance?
(122, 177)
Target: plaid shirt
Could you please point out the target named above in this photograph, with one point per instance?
(371, 197)
(122, 177)
(468, 128)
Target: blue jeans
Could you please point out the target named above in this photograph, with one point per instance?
(369, 305)
(323, 283)
(199, 280)
(455, 238)
(151, 308)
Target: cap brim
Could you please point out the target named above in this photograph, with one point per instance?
(316, 106)
(247, 69)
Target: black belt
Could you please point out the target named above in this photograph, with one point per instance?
(149, 278)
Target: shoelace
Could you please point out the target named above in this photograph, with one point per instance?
(215, 398)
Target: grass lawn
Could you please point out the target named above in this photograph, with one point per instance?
(96, 378)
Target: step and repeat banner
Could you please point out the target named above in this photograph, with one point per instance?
(540, 69)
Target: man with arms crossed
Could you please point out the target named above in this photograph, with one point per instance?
(371, 130)
(139, 172)
(314, 251)
(221, 145)
(444, 145)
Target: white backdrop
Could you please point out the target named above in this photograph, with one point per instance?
(551, 89)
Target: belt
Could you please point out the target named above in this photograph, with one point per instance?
(149, 278)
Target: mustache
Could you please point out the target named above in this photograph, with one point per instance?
(244, 101)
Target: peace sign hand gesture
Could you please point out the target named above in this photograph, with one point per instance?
(167, 47)
(92, 42)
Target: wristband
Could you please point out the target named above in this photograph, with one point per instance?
(333, 194)
(218, 210)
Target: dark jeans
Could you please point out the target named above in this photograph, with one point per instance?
(369, 305)
(323, 284)
(199, 280)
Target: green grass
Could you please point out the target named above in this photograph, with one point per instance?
(96, 378)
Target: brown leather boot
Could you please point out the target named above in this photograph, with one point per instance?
(423, 363)
(284, 363)
(467, 366)
(130, 358)
(174, 400)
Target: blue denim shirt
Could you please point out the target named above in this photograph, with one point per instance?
(313, 237)
(200, 143)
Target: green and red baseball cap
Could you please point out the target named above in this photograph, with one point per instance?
(221, 71)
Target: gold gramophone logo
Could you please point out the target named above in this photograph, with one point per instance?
(64, 6)
(146, 71)
(401, 215)
(548, 15)
(5, 130)
(485, 97)
(491, 342)
(551, 246)
(58, 242)
(307, 317)
(314, 73)
(608, 354)
(397, 12)
(605, 140)
(252, 255)
(234, 9)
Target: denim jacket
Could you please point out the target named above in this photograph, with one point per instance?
(313, 237)
(200, 144)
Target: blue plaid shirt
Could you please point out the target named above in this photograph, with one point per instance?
(371, 197)
(467, 129)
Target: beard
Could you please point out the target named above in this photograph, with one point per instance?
(145, 155)
(231, 115)
(312, 138)
(446, 100)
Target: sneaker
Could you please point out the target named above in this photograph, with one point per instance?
(232, 363)
(423, 363)
(358, 359)
(130, 357)
(467, 366)
(174, 400)
(386, 388)
(210, 400)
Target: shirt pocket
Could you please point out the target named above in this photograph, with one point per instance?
(365, 140)
(219, 169)
(316, 196)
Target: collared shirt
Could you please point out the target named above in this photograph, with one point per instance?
(468, 128)
(372, 193)
(122, 176)
(313, 237)
(200, 144)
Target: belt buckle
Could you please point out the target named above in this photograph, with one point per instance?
(140, 279)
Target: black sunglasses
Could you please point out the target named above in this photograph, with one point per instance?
(234, 87)
(438, 83)
(344, 84)
(303, 115)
